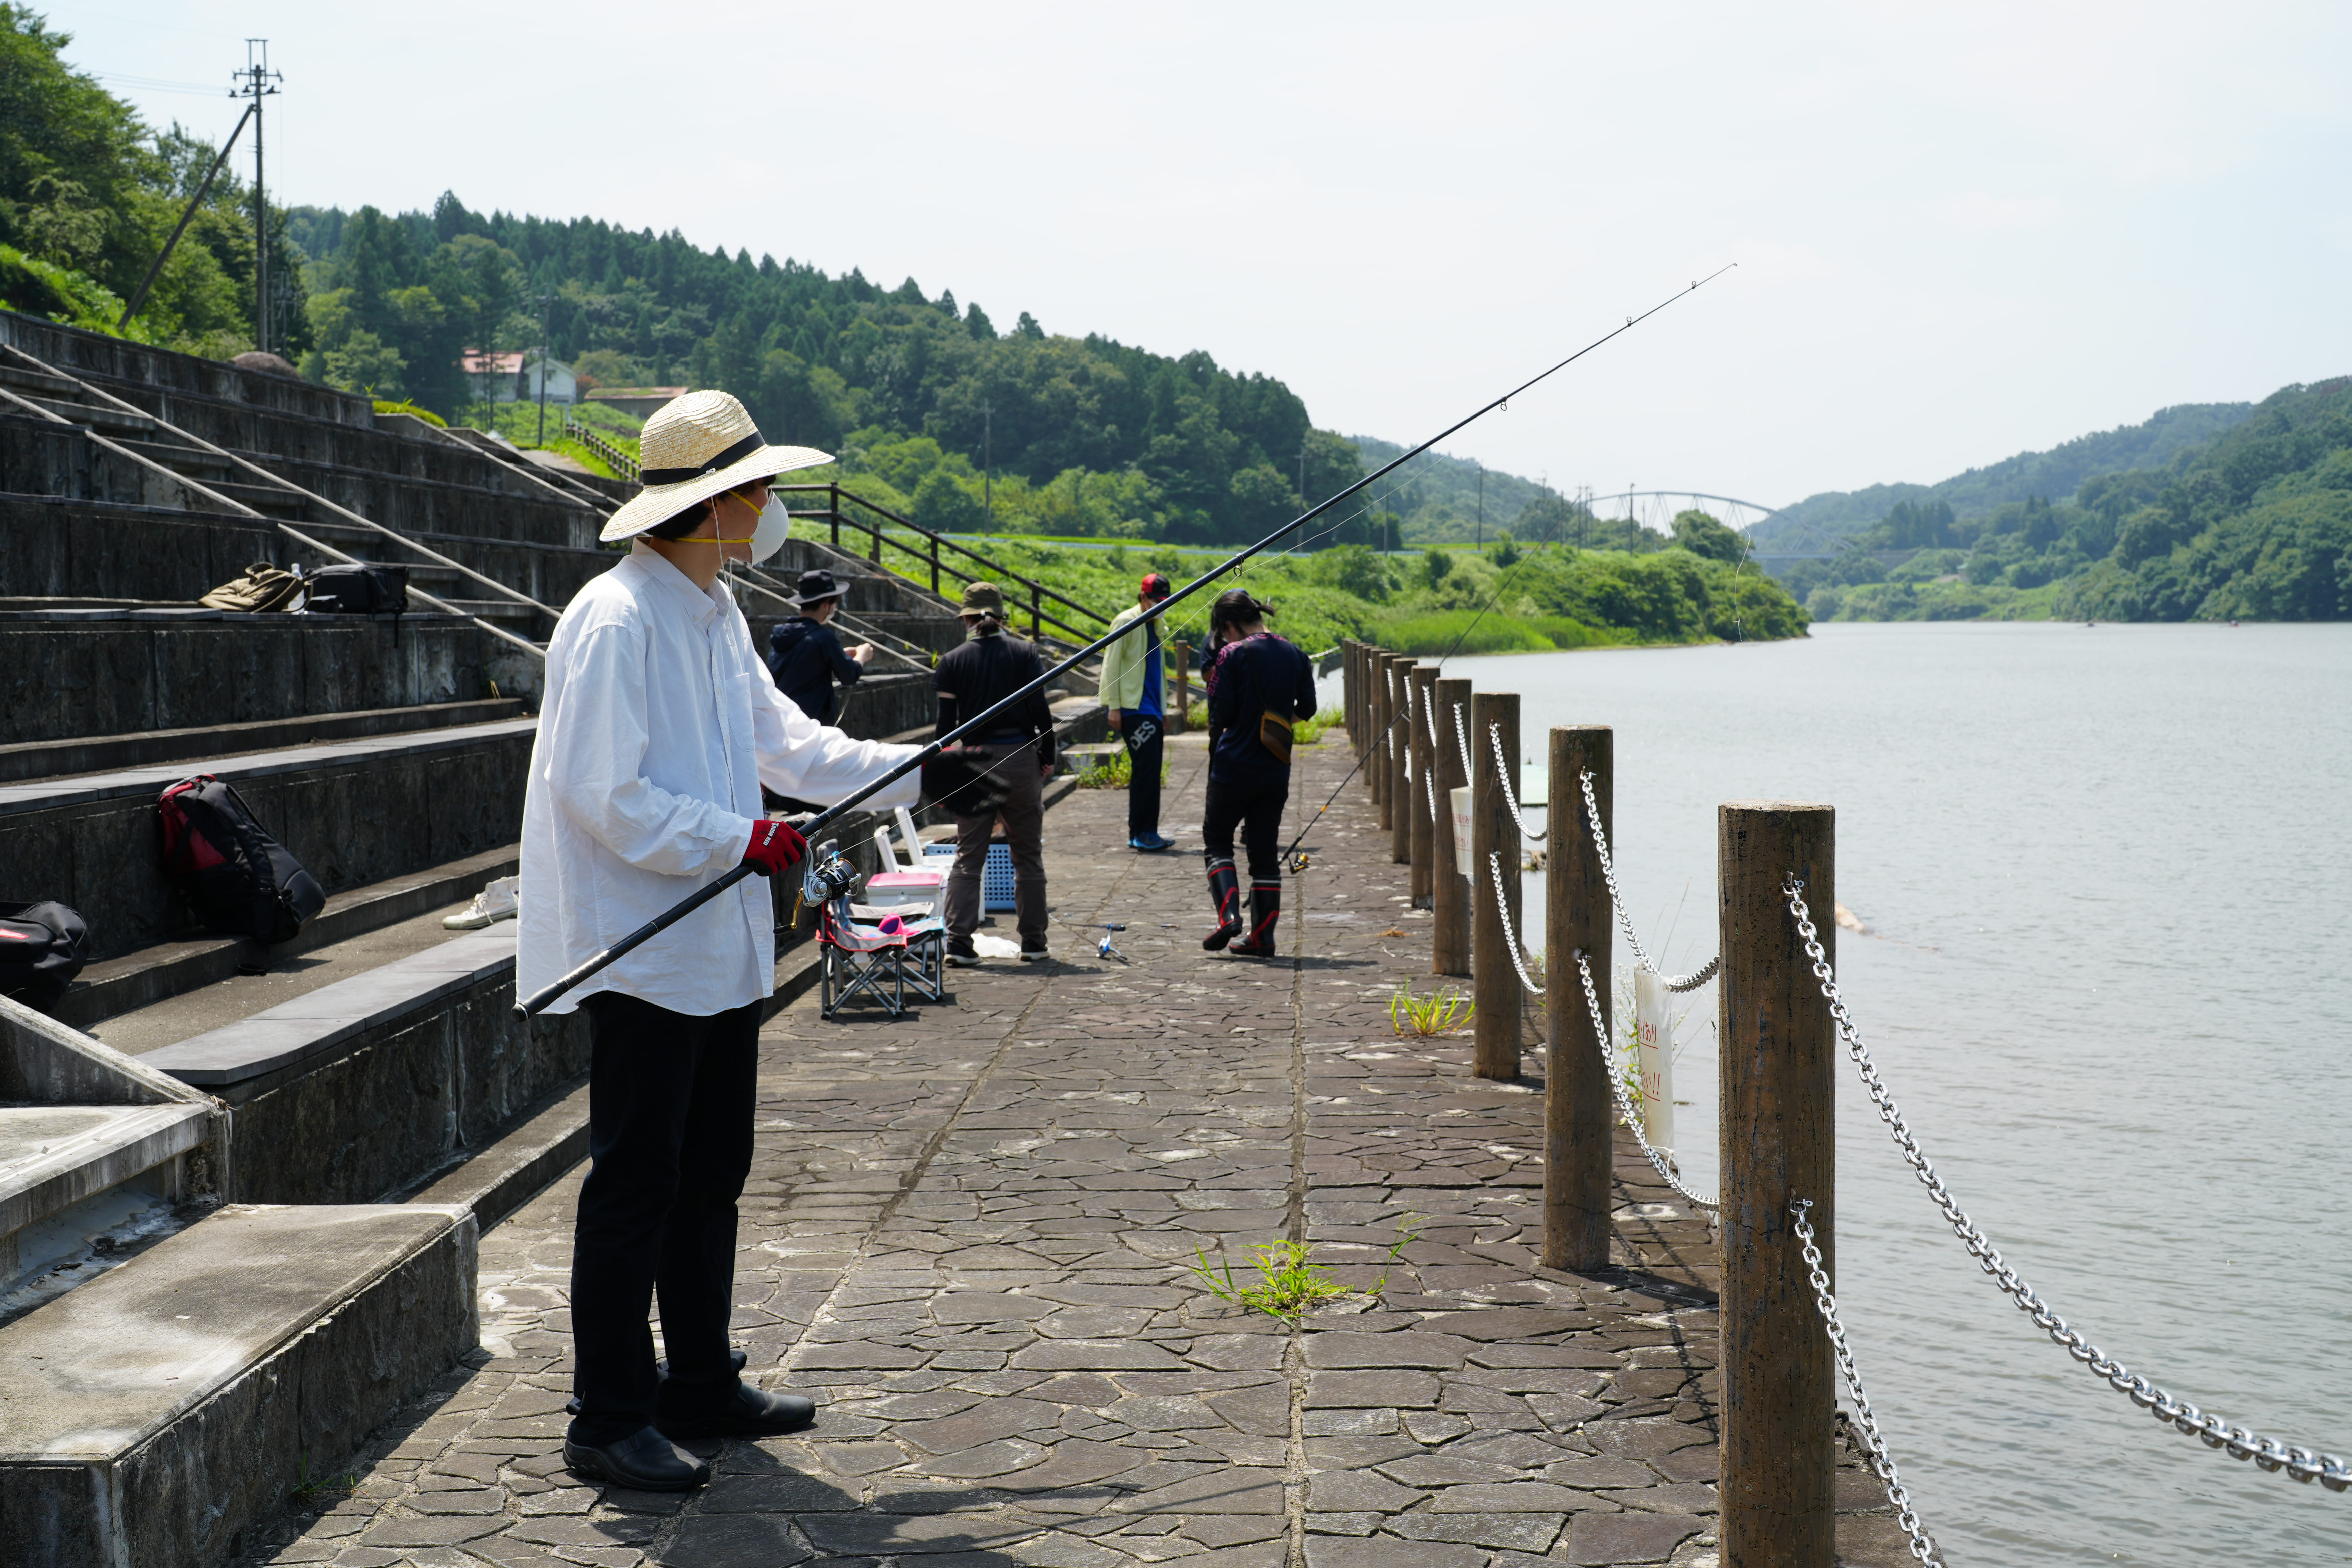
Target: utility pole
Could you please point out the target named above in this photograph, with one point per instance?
(546, 316)
(1302, 472)
(257, 81)
(988, 464)
(1482, 506)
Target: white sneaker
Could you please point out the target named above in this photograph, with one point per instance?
(496, 902)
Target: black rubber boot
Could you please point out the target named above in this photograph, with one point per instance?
(1265, 909)
(1225, 892)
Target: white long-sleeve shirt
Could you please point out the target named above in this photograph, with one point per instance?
(658, 725)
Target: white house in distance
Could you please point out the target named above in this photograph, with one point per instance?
(515, 377)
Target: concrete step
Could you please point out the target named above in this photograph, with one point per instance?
(361, 1085)
(17, 379)
(69, 1172)
(86, 675)
(193, 461)
(157, 1414)
(352, 812)
(99, 416)
(268, 500)
(117, 986)
(97, 753)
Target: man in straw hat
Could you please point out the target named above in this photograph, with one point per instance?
(1009, 768)
(657, 728)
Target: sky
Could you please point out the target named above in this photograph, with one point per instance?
(1955, 232)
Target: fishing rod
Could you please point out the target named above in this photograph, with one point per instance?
(545, 996)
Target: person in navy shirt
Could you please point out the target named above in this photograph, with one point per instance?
(1258, 687)
(805, 654)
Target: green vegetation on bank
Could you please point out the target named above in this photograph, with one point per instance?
(2253, 524)
(1508, 598)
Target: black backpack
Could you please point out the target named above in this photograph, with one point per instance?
(42, 948)
(362, 590)
(238, 879)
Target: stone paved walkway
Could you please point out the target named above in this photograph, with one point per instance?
(967, 1233)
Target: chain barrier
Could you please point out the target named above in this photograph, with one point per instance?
(1462, 745)
(1503, 777)
(1510, 937)
(1691, 982)
(1632, 1119)
(1873, 1446)
(2267, 1453)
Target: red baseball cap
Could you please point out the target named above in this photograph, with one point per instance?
(1156, 585)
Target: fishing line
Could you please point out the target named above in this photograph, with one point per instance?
(541, 999)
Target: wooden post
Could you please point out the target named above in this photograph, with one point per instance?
(1183, 691)
(1780, 1091)
(1449, 946)
(1351, 691)
(1579, 1112)
(833, 510)
(1400, 675)
(1423, 678)
(1494, 983)
(1376, 768)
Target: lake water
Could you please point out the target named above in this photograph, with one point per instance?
(2107, 879)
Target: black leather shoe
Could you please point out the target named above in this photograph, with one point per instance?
(751, 1413)
(645, 1461)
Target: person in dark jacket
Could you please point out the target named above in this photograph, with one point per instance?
(1258, 687)
(1015, 756)
(805, 654)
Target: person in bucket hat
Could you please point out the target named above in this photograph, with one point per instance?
(806, 655)
(1134, 683)
(1009, 763)
(657, 727)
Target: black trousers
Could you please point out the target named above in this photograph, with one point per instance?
(1142, 733)
(669, 1136)
(1257, 811)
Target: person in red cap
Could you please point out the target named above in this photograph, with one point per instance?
(1133, 678)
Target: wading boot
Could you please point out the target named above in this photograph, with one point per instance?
(1266, 909)
(1225, 892)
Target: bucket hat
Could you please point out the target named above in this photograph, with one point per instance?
(694, 447)
(983, 599)
(817, 584)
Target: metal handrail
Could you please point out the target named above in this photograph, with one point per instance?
(1038, 592)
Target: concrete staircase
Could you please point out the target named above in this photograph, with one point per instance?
(240, 1185)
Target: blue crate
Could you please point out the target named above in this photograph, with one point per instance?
(995, 877)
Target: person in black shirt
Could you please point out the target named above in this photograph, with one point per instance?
(805, 654)
(1016, 758)
(1258, 687)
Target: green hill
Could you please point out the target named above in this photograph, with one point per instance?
(2254, 522)
(2052, 475)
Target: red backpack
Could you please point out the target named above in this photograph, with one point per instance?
(239, 880)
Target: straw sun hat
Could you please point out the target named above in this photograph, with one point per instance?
(693, 449)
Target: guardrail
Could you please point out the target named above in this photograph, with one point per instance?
(620, 462)
(938, 556)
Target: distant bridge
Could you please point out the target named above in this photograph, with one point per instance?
(1657, 509)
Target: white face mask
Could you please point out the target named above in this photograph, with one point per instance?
(776, 523)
